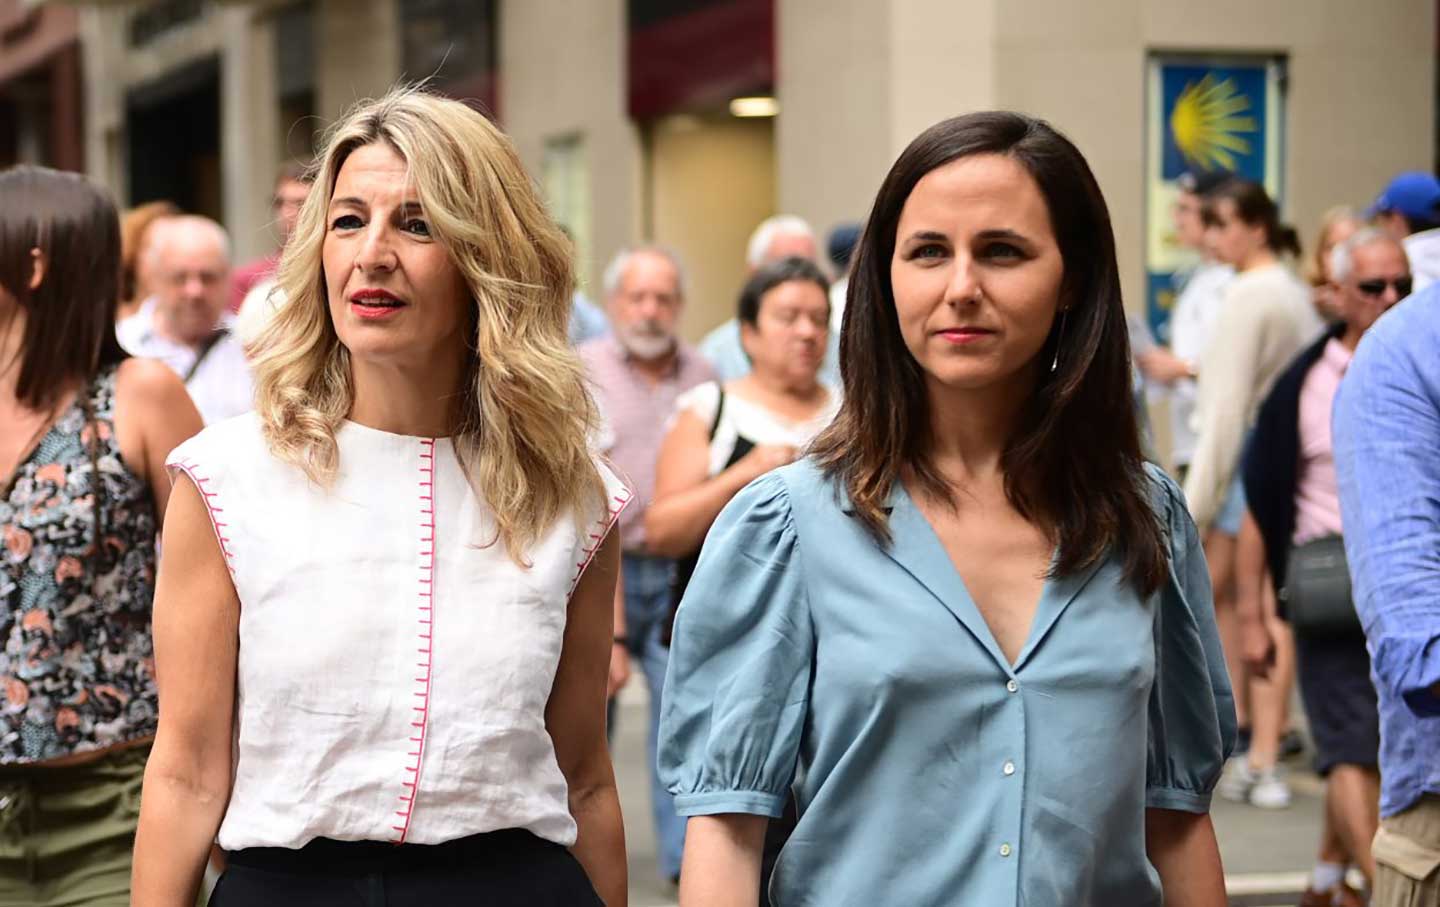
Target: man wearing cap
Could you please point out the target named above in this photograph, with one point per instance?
(1201, 291)
(840, 248)
(1409, 210)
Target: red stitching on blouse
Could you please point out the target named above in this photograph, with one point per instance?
(424, 634)
(208, 496)
(618, 503)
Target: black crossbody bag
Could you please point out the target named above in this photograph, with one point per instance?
(1317, 590)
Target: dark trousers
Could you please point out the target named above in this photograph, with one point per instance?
(499, 869)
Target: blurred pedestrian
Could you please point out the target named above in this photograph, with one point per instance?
(1201, 292)
(85, 433)
(1292, 492)
(1387, 434)
(840, 249)
(1265, 319)
(1336, 225)
(980, 653)
(184, 324)
(292, 187)
(639, 372)
(1409, 209)
(776, 238)
(135, 254)
(383, 618)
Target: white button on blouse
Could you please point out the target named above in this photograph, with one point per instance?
(394, 662)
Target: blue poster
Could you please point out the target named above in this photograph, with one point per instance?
(1222, 114)
(1214, 118)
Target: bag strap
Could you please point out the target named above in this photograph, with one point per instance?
(210, 343)
(719, 411)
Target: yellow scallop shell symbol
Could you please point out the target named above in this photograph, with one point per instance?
(1208, 123)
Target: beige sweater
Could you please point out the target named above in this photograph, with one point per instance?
(1265, 320)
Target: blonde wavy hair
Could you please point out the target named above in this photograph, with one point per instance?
(524, 415)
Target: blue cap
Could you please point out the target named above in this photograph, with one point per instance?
(842, 244)
(1415, 194)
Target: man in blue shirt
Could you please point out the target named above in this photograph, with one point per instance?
(1387, 455)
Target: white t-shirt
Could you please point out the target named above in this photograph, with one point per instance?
(1266, 319)
(1423, 250)
(221, 385)
(1196, 311)
(394, 666)
(746, 419)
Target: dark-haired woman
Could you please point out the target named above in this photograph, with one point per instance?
(83, 437)
(1265, 319)
(726, 434)
(972, 629)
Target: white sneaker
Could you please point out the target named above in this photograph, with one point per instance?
(1236, 780)
(1270, 790)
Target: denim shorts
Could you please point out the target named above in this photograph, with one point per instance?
(1232, 511)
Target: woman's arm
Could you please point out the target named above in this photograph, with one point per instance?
(1183, 850)
(187, 779)
(153, 415)
(686, 501)
(722, 861)
(575, 718)
(1252, 577)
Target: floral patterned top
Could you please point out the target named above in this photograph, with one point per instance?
(76, 658)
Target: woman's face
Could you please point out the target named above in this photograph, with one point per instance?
(1325, 297)
(790, 333)
(1231, 240)
(395, 296)
(976, 273)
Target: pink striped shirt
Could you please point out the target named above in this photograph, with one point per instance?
(636, 412)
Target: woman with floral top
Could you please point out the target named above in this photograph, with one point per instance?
(83, 436)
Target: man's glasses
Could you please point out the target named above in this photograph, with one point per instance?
(1377, 287)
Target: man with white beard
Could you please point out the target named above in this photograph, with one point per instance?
(637, 372)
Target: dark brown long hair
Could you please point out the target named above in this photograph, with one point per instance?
(70, 317)
(1074, 464)
(1254, 206)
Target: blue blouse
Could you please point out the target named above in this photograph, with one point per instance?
(928, 769)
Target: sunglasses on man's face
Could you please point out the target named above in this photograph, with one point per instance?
(1377, 287)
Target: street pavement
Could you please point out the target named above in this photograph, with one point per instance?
(1267, 853)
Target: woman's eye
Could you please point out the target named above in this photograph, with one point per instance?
(417, 226)
(929, 250)
(1003, 251)
(346, 222)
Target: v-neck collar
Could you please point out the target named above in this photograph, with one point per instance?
(915, 547)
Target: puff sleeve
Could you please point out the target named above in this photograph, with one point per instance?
(741, 660)
(1192, 709)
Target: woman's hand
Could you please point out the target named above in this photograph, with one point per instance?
(619, 669)
(1257, 646)
(765, 457)
(1163, 367)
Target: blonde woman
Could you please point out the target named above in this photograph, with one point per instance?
(384, 607)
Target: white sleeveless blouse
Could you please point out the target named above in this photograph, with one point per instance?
(394, 665)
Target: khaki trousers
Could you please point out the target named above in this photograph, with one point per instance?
(1407, 857)
(66, 833)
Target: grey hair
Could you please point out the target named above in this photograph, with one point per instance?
(1342, 257)
(771, 227)
(615, 270)
(167, 227)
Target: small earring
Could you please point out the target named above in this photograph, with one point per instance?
(1055, 363)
